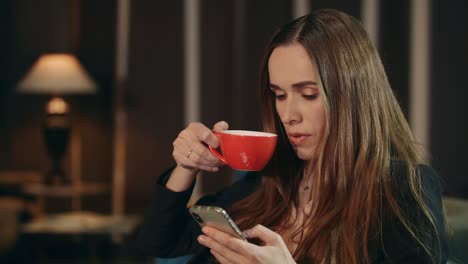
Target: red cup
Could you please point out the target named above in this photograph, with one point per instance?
(245, 150)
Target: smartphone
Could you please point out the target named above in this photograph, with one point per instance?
(216, 217)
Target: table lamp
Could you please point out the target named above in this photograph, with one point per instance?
(57, 75)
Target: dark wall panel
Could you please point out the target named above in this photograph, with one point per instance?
(155, 95)
(394, 43)
(5, 32)
(449, 110)
(96, 50)
(262, 19)
(216, 60)
(351, 7)
(234, 35)
(217, 80)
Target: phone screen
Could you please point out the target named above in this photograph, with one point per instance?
(215, 217)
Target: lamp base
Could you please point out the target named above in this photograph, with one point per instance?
(56, 177)
(56, 135)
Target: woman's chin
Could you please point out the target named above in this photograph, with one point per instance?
(304, 155)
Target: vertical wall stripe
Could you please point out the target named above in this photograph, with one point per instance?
(192, 63)
(123, 26)
(120, 115)
(419, 72)
(370, 17)
(300, 8)
(192, 72)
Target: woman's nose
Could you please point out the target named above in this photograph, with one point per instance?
(291, 114)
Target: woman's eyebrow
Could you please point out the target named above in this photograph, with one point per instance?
(296, 85)
(304, 83)
(274, 87)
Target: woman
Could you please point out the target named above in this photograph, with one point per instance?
(346, 183)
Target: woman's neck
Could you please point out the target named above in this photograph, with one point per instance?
(304, 192)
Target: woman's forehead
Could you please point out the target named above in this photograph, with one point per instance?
(291, 62)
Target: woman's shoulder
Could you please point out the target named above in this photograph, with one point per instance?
(400, 166)
(423, 174)
(424, 178)
(410, 190)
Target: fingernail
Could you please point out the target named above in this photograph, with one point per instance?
(201, 239)
(246, 233)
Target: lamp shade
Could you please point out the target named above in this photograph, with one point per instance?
(57, 74)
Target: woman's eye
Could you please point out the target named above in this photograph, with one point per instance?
(310, 96)
(280, 96)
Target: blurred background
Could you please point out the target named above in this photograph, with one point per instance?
(150, 67)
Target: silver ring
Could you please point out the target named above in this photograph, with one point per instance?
(188, 154)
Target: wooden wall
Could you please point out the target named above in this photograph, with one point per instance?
(449, 111)
(394, 45)
(35, 27)
(233, 36)
(155, 95)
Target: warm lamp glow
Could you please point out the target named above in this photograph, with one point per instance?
(57, 105)
(57, 74)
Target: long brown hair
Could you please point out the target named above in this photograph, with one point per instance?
(365, 129)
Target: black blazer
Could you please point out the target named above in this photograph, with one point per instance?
(169, 231)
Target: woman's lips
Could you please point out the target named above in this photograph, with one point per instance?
(297, 139)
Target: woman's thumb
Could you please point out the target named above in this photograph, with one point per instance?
(220, 126)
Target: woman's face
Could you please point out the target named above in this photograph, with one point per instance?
(299, 103)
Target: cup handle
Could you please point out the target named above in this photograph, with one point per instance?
(215, 152)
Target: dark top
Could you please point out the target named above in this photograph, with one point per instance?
(169, 231)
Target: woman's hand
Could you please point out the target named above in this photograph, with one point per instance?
(191, 154)
(190, 150)
(228, 249)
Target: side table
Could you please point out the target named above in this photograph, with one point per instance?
(79, 223)
(82, 237)
(73, 191)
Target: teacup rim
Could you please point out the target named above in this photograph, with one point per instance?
(252, 133)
